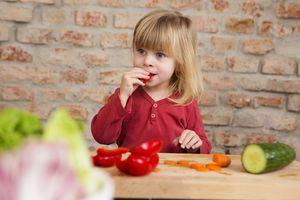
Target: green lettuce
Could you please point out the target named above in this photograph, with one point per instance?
(62, 127)
(15, 126)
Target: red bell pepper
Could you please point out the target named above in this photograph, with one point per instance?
(137, 165)
(108, 157)
(148, 148)
(142, 160)
(106, 161)
(112, 152)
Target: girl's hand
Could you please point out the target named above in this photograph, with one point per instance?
(190, 141)
(130, 81)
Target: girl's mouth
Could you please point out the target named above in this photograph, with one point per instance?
(150, 76)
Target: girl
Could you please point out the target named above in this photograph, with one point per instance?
(158, 96)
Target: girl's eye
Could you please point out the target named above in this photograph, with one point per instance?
(160, 55)
(141, 51)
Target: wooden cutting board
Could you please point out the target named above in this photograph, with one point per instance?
(230, 183)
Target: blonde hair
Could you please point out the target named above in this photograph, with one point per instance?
(171, 33)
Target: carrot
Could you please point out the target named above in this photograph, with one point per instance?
(213, 166)
(199, 167)
(170, 162)
(183, 163)
(222, 160)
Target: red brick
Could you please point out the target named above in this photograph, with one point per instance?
(57, 94)
(278, 65)
(79, 2)
(20, 72)
(205, 23)
(111, 77)
(223, 44)
(12, 93)
(275, 29)
(90, 18)
(293, 103)
(212, 62)
(126, 20)
(251, 119)
(220, 82)
(239, 100)
(77, 76)
(15, 12)
(219, 5)
(286, 86)
(114, 40)
(12, 53)
(56, 16)
(95, 58)
(261, 138)
(77, 38)
(270, 101)
(114, 3)
(266, 27)
(296, 29)
(252, 7)
(216, 117)
(229, 139)
(258, 46)
(99, 95)
(34, 35)
(209, 99)
(240, 25)
(196, 4)
(76, 111)
(284, 123)
(291, 10)
(62, 56)
(243, 64)
(39, 1)
(252, 83)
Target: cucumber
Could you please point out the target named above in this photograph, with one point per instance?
(261, 158)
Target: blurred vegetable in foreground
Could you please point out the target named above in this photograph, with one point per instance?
(54, 165)
(62, 128)
(15, 126)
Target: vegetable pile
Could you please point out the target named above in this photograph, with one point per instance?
(142, 160)
(261, 158)
(39, 163)
(219, 161)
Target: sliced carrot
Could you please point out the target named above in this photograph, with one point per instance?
(199, 167)
(213, 167)
(222, 160)
(183, 163)
(170, 162)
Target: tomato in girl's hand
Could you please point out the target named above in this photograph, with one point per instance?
(147, 80)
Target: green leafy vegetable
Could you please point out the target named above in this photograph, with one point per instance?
(15, 126)
(62, 127)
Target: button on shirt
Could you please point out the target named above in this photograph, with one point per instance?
(143, 119)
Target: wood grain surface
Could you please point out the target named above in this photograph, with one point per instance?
(174, 182)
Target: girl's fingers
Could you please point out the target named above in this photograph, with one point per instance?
(197, 145)
(192, 142)
(186, 136)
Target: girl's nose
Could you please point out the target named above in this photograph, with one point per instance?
(149, 61)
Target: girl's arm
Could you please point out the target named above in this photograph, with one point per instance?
(107, 123)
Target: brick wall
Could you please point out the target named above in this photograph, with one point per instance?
(72, 53)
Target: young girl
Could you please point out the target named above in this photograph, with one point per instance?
(158, 97)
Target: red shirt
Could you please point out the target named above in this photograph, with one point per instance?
(144, 119)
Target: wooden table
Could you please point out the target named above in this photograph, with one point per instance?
(230, 183)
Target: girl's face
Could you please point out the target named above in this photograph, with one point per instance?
(158, 64)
